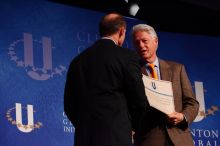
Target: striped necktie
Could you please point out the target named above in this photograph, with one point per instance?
(153, 72)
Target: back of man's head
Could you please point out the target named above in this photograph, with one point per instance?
(110, 24)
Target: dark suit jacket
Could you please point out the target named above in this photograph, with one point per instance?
(103, 83)
(154, 130)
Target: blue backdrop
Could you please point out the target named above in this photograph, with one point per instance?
(37, 42)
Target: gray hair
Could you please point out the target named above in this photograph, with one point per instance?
(144, 27)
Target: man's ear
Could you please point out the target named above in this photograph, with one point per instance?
(121, 31)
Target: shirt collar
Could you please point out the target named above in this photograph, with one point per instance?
(156, 62)
(109, 39)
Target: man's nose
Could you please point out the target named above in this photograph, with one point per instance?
(141, 45)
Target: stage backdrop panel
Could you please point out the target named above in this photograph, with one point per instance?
(37, 42)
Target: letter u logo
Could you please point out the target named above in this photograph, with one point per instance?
(38, 73)
(30, 118)
(44, 69)
(153, 85)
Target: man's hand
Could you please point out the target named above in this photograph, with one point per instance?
(175, 118)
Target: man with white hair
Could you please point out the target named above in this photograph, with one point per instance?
(157, 128)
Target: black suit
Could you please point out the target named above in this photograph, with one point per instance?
(103, 84)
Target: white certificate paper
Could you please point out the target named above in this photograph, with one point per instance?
(159, 94)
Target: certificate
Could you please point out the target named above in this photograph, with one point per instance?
(159, 94)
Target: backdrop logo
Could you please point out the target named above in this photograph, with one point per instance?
(17, 110)
(199, 91)
(29, 57)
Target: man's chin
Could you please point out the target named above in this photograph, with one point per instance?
(145, 57)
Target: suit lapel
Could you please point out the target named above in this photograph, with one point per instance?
(143, 70)
(165, 70)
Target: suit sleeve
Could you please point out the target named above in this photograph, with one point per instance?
(190, 104)
(69, 101)
(134, 83)
(137, 100)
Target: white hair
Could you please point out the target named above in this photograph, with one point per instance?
(144, 27)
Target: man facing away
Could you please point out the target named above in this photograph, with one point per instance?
(157, 128)
(104, 83)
